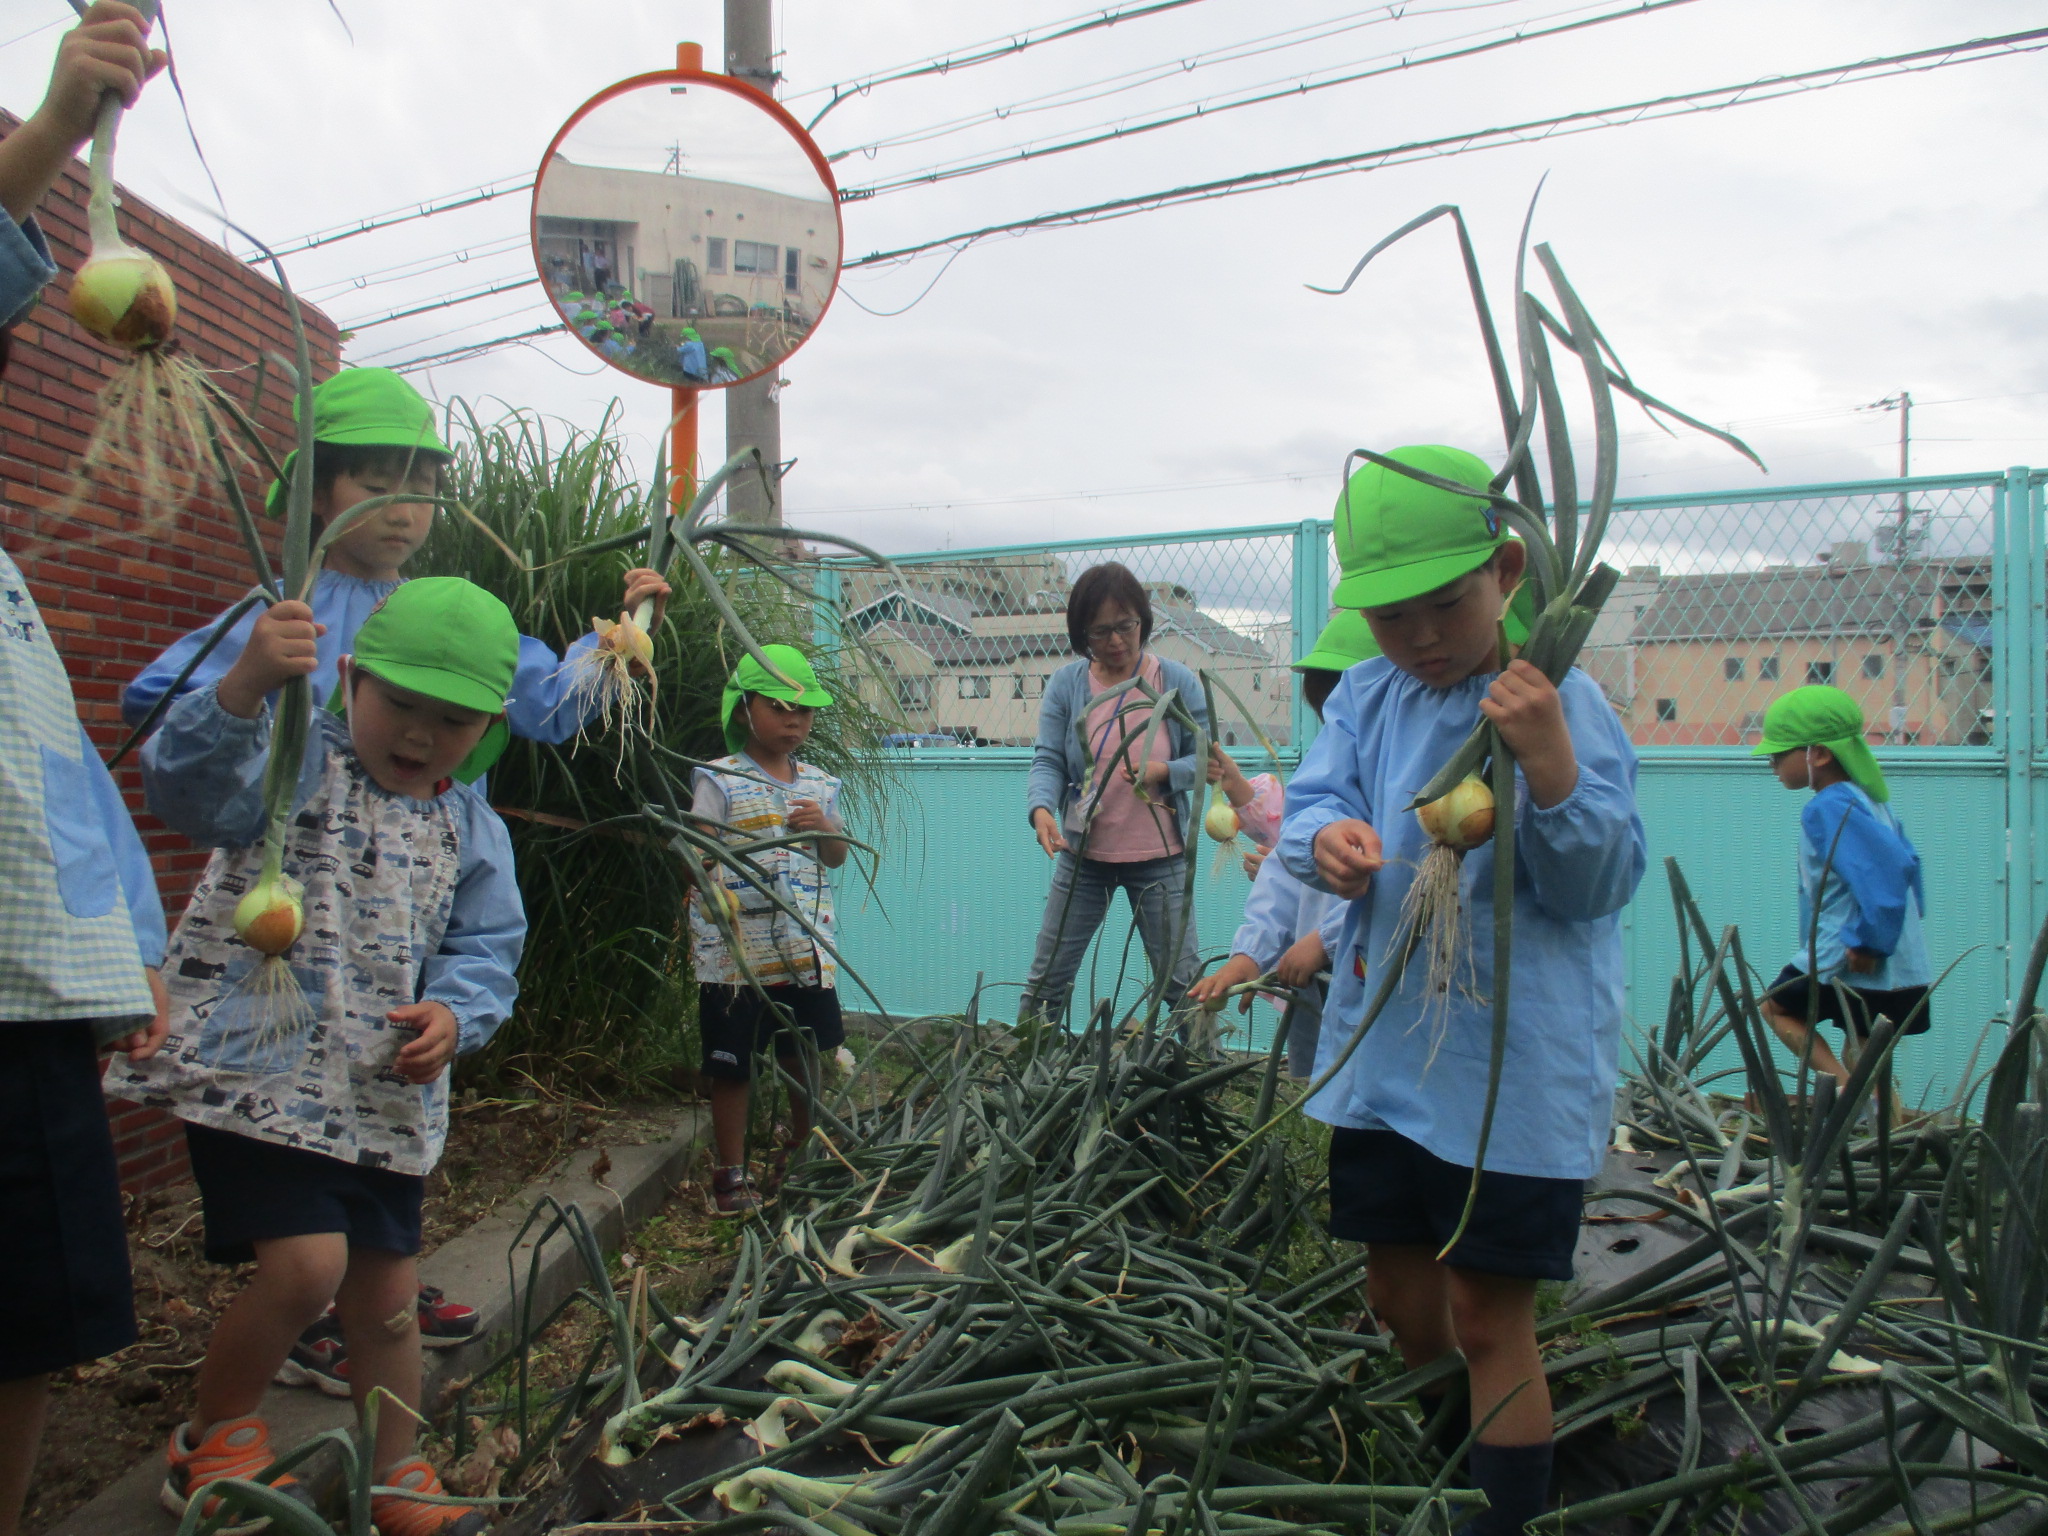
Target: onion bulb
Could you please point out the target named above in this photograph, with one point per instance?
(627, 639)
(723, 899)
(124, 296)
(1221, 821)
(271, 917)
(1461, 819)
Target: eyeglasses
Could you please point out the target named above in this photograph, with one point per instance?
(1101, 632)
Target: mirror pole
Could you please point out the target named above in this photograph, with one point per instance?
(682, 445)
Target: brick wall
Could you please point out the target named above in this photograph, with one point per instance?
(113, 599)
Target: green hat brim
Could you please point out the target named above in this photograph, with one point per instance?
(1386, 585)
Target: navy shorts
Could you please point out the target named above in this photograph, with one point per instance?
(65, 1295)
(735, 1026)
(1790, 994)
(1386, 1189)
(251, 1189)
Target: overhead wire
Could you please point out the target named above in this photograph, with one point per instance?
(477, 349)
(1001, 47)
(1178, 68)
(416, 266)
(1270, 92)
(1715, 98)
(447, 302)
(503, 186)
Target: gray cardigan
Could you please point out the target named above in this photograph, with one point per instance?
(1059, 762)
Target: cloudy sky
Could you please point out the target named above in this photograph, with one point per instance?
(1774, 266)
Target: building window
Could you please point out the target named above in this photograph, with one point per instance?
(1820, 671)
(1667, 709)
(1753, 725)
(914, 692)
(1017, 686)
(714, 254)
(1767, 669)
(974, 688)
(791, 283)
(1732, 668)
(753, 256)
(1258, 682)
(1873, 664)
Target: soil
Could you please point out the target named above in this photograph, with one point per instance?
(107, 1415)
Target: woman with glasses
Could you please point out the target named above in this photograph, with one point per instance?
(1131, 835)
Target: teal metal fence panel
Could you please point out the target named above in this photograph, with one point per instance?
(1909, 593)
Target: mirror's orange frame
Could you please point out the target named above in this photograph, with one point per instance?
(732, 87)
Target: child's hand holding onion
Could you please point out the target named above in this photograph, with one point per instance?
(1213, 991)
(1524, 704)
(1348, 854)
(284, 643)
(1305, 957)
(104, 52)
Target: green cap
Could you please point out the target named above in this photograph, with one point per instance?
(690, 333)
(369, 407)
(1398, 538)
(751, 677)
(1821, 716)
(722, 352)
(447, 639)
(1345, 641)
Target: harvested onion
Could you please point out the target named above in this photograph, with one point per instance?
(123, 295)
(1221, 823)
(1461, 819)
(272, 916)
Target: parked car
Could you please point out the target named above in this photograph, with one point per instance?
(921, 739)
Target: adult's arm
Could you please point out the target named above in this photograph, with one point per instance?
(1185, 769)
(1046, 786)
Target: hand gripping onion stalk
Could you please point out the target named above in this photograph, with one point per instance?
(156, 420)
(608, 673)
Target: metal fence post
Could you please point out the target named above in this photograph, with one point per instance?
(2017, 651)
(1311, 611)
(825, 610)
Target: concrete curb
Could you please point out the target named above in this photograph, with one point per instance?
(471, 1268)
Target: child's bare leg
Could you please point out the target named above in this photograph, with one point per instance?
(24, 1403)
(1495, 1321)
(296, 1277)
(1805, 1043)
(729, 1101)
(1407, 1289)
(379, 1306)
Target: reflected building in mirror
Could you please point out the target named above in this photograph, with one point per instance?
(681, 279)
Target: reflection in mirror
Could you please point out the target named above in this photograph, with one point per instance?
(685, 235)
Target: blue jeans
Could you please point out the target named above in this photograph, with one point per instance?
(1082, 890)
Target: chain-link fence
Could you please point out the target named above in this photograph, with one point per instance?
(963, 644)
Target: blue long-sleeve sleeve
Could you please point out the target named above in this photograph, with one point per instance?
(202, 772)
(1878, 867)
(25, 266)
(476, 970)
(1046, 787)
(546, 704)
(131, 859)
(1271, 917)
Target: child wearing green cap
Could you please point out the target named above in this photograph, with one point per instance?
(1290, 928)
(772, 985)
(1433, 571)
(374, 436)
(1865, 956)
(412, 932)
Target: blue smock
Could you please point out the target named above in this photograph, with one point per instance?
(1577, 864)
(542, 706)
(1874, 896)
(1281, 910)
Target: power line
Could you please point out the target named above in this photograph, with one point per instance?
(1712, 99)
(442, 303)
(503, 186)
(988, 52)
(1176, 68)
(1189, 112)
(475, 349)
(417, 266)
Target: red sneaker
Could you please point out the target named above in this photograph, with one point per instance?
(444, 1323)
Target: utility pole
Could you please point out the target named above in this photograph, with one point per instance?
(1902, 545)
(753, 417)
